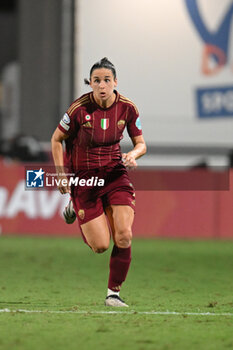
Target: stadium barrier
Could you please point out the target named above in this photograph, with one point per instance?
(176, 204)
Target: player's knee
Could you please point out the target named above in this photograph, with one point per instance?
(124, 238)
(99, 249)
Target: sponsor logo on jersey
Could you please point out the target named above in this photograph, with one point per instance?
(35, 178)
(87, 125)
(87, 118)
(81, 214)
(138, 124)
(104, 123)
(121, 124)
(66, 118)
(64, 125)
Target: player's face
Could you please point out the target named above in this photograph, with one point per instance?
(103, 84)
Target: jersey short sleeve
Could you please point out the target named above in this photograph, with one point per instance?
(134, 127)
(68, 123)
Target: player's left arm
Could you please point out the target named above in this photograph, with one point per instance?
(139, 150)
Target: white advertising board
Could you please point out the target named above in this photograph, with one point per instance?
(174, 59)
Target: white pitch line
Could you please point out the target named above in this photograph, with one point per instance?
(82, 312)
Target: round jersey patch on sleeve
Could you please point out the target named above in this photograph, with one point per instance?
(66, 118)
(138, 124)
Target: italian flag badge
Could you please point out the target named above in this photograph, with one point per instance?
(104, 123)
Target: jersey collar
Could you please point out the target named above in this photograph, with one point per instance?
(105, 109)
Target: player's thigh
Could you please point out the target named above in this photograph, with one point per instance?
(97, 233)
(121, 220)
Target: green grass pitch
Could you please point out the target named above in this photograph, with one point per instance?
(62, 274)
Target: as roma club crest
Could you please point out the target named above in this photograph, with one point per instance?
(81, 214)
(104, 123)
(121, 124)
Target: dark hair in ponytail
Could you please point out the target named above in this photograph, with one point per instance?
(103, 63)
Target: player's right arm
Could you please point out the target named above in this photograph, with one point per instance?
(57, 151)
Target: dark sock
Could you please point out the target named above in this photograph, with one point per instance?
(119, 265)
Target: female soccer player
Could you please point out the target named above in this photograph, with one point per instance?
(92, 128)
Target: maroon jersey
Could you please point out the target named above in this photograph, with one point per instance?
(95, 132)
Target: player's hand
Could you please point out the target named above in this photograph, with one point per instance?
(129, 160)
(63, 184)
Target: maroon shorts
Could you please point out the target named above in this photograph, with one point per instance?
(90, 201)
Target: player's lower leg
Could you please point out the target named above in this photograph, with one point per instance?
(119, 266)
